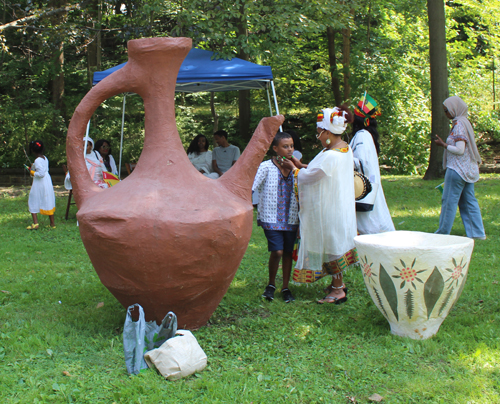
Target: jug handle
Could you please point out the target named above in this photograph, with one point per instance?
(117, 83)
(239, 178)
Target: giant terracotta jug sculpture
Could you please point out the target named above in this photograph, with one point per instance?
(166, 237)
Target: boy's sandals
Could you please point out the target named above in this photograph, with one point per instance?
(32, 227)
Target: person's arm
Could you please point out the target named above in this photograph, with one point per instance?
(39, 172)
(310, 175)
(237, 154)
(216, 168)
(112, 163)
(297, 163)
(458, 149)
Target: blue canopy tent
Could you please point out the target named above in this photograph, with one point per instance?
(200, 72)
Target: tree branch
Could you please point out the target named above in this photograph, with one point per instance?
(35, 16)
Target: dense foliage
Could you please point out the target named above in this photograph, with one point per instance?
(47, 60)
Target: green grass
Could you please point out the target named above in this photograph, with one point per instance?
(58, 346)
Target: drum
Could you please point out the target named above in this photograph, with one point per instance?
(362, 186)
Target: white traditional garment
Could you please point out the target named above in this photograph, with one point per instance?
(203, 162)
(112, 164)
(273, 208)
(96, 166)
(327, 216)
(365, 154)
(42, 199)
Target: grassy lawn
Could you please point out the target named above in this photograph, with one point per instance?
(61, 330)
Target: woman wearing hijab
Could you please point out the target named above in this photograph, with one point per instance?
(94, 163)
(327, 208)
(365, 149)
(461, 161)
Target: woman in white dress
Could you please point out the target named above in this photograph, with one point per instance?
(327, 208)
(42, 199)
(365, 148)
(94, 163)
(104, 148)
(201, 157)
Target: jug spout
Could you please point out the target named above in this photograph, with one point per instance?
(239, 178)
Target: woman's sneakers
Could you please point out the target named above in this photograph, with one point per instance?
(285, 293)
(269, 292)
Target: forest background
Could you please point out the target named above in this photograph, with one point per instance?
(321, 53)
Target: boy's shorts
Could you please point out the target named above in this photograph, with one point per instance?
(280, 240)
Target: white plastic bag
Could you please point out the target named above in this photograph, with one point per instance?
(178, 357)
(140, 336)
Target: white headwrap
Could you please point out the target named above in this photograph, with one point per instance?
(333, 120)
(459, 111)
(89, 140)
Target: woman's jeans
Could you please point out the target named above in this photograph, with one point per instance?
(458, 192)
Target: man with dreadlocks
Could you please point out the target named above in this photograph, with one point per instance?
(365, 148)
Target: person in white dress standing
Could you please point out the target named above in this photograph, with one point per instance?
(327, 213)
(365, 149)
(201, 157)
(42, 199)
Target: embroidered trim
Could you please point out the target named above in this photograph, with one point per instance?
(296, 183)
(329, 268)
(340, 149)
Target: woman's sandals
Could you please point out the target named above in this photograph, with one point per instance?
(32, 227)
(334, 299)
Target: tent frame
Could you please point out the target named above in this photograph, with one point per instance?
(125, 102)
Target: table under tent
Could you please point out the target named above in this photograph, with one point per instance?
(201, 72)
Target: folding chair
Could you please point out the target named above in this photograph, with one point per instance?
(65, 168)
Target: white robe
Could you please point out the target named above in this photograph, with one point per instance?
(96, 166)
(327, 209)
(379, 219)
(203, 162)
(42, 199)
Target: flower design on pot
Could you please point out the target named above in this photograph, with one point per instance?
(367, 269)
(456, 272)
(408, 275)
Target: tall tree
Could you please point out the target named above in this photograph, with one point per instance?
(439, 83)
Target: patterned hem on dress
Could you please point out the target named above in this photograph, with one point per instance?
(47, 212)
(333, 268)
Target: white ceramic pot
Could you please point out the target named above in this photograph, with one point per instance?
(414, 278)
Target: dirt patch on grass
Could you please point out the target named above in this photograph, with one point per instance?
(15, 191)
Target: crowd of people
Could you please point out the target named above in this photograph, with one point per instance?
(308, 211)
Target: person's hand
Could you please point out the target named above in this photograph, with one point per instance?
(287, 164)
(439, 141)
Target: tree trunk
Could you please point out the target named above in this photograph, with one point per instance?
(346, 61)
(439, 84)
(330, 33)
(244, 95)
(57, 82)
(94, 47)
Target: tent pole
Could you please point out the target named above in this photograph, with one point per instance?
(121, 137)
(275, 102)
(269, 100)
(86, 141)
